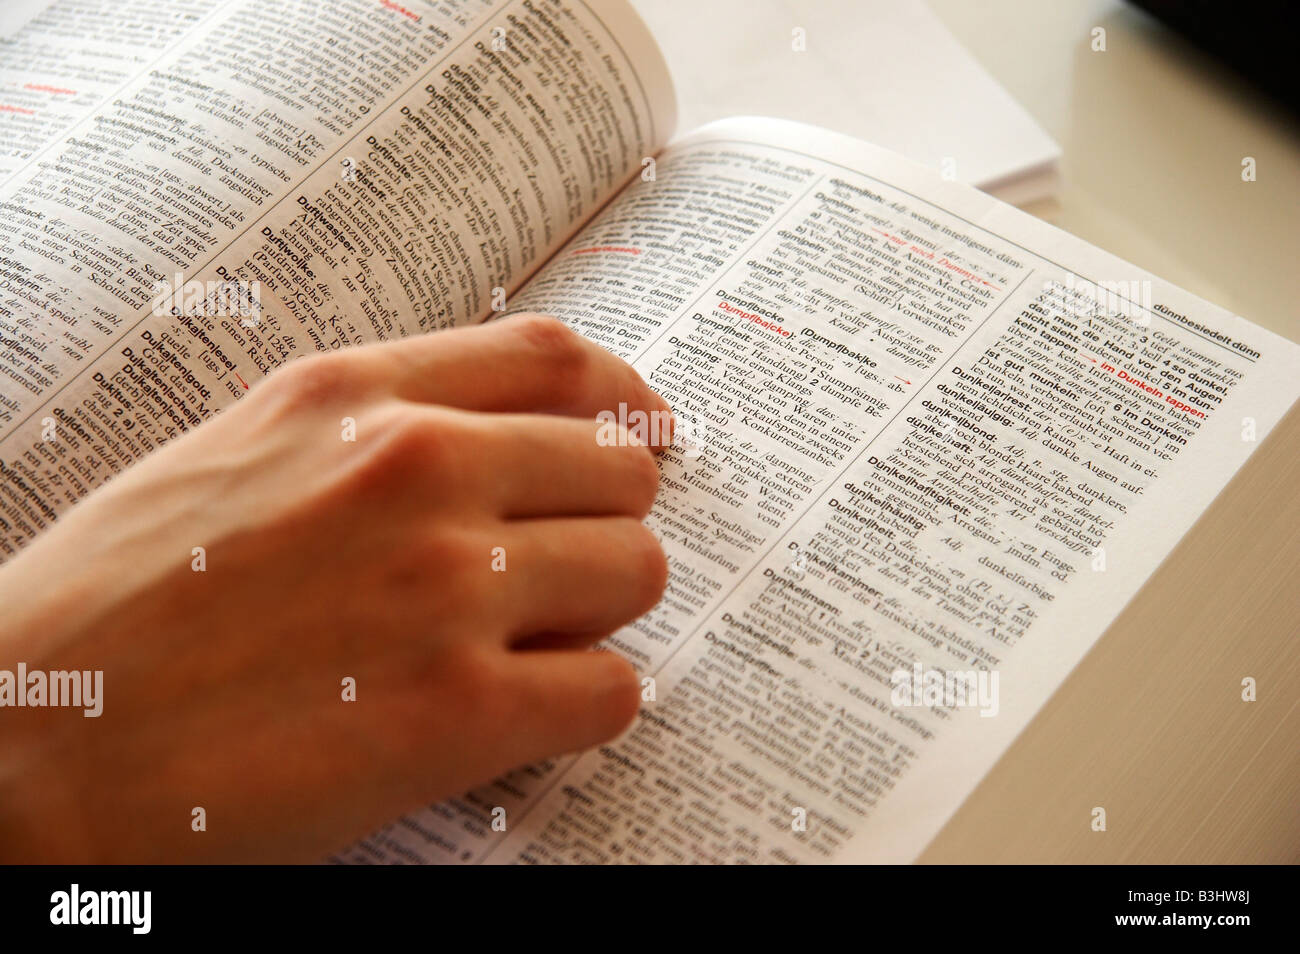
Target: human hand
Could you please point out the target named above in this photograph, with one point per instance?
(324, 559)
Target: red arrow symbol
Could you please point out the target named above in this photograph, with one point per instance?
(904, 380)
(242, 381)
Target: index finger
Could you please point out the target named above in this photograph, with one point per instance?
(525, 363)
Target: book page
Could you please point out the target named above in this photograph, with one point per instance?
(930, 447)
(288, 179)
(65, 59)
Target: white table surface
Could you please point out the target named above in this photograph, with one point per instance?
(1151, 725)
(1153, 132)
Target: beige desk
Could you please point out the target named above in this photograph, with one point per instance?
(1151, 725)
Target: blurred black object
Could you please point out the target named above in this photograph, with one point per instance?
(1251, 36)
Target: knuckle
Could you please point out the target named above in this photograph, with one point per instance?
(546, 332)
(459, 564)
(565, 360)
(404, 444)
(310, 382)
(431, 566)
(631, 383)
(422, 440)
(473, 675)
